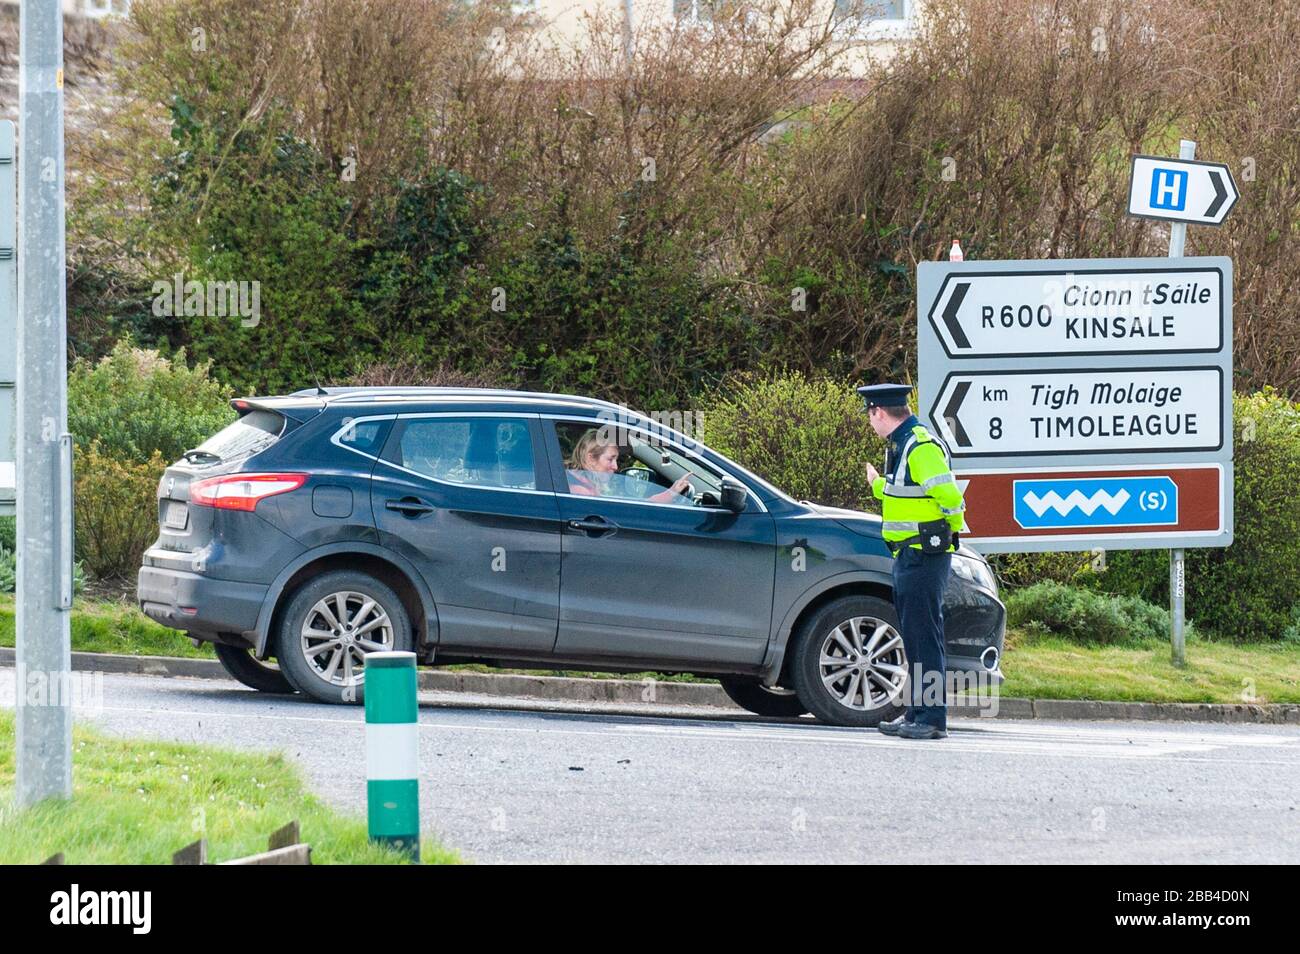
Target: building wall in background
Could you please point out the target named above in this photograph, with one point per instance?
(884, 25)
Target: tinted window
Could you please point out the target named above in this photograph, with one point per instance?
(254, 432)
(485, 451)
(365, 436)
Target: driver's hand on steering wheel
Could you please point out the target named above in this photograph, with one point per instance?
(681, 485)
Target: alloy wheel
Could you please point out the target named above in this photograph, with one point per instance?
(338, 632)
(862, 663)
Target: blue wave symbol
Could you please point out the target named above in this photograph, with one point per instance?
(1096, 502)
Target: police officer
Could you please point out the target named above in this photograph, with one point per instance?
(922, 509)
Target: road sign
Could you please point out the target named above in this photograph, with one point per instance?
(1079, 397)
(1100, 311)
(1057, 502)
(1181, 190)
(1040, 413)
(1072, 508)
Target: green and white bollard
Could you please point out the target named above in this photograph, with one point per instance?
(392, 752)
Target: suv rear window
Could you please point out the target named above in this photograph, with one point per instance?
(254, 432)
(476, 451)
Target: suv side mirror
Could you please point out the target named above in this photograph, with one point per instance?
(734, 495)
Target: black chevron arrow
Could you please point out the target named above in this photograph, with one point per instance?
(1220, 193)
(950, 314)
(950, 413)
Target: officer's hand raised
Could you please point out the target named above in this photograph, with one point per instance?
(872, 473)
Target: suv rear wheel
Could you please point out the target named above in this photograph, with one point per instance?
(849, 664)
(329, 627)
(251, 671)
(774, 702)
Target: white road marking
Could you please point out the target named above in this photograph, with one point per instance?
(1028, 738)
(1039, 741)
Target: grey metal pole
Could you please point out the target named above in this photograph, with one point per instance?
(627, 31)
(44, 714)
(1177, 638)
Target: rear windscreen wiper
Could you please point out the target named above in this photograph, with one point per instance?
(196, 456)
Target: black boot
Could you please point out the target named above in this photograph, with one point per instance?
(892, 727)
(919, 730)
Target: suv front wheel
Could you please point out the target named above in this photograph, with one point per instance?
(849, 664)
(329, 627)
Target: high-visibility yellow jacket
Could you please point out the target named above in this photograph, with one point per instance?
(918, 485)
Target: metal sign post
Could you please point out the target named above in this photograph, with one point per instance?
(44, 504)
(1177, 563)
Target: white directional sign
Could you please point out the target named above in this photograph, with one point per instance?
(1040, 413)
(1086, 402)
(1053, 311)
(1181, 190)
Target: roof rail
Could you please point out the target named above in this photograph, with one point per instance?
(373, 392)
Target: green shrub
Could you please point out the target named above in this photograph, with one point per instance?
(116, 510)
(285, 231)
(136, 403)
(809, 436)
(1023, 569)
(409, 372)
(9, 533)
(9, 572)
(1086, 616)
(1250, 590)
(1292, 632)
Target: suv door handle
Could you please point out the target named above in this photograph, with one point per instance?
(597, 526)
(410, 506)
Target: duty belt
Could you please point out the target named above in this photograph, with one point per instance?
(930, 530)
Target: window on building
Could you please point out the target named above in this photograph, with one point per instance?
(866, 11)
(694, 11)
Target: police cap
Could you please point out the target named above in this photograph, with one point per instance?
(885, 395)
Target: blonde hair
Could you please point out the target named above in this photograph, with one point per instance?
(591, 442)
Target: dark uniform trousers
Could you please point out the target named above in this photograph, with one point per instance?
(919, 583)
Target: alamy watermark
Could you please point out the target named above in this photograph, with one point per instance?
(664, 425)
(38, 687)
(971, 689)
(178, 298)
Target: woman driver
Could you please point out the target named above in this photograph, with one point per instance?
(593, 461)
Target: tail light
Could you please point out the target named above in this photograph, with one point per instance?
(242, 491)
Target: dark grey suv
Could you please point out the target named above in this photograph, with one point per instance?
(530, 530)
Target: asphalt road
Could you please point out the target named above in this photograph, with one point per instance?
(505, 785)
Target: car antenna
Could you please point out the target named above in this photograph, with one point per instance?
(314, 376)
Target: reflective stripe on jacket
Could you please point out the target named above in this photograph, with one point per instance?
(918, 487)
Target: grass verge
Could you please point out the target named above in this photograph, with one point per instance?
(1049, 667)
(137, 802)
(112, 626)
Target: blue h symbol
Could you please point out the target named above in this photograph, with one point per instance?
(1168, 189)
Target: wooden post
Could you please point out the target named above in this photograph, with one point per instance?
(192, 854)
(284, 837)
